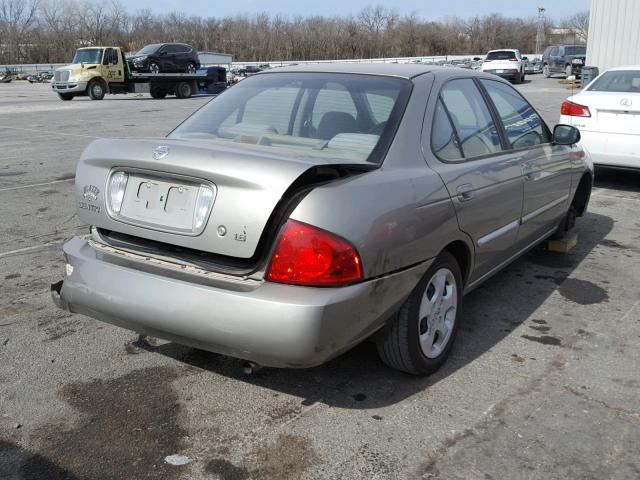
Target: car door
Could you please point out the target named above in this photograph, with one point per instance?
(546, 168)
(112, 67)
(483, 178)
(166, 55)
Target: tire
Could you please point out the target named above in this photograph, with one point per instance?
(568, 71)
(518, 79)
(66, 96)
(158, 92)
(546, 71)
(96, 90)
(154, 67)
(183, 90)
(400, 346)
(191, 67)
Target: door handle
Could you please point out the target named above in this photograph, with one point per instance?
(465, 192)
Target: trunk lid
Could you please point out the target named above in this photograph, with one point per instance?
(612, 112)
(162, 191)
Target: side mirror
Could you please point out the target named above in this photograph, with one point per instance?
(565, 135)
(525, 58)
(162, 52)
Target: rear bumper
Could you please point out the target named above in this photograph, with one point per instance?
(270, 324)
(509, 74)
(69, 87)
(612, 149)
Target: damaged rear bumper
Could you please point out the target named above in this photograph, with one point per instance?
(267, 323)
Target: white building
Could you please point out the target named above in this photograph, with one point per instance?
(614, 33)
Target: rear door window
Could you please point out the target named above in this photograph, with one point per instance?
(523, 125)
(444, 140)
(471, 118)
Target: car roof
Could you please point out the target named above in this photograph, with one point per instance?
(402, 70)
(624, 67)
(504, 50)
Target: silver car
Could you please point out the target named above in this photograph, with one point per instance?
(309, 208)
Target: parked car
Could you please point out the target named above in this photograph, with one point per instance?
(264, 227)
(165, 58)
(607, 113)
(564, 59)
(249, 70)
(529, 66)
(505, 63)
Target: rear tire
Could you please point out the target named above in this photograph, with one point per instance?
(66, 96)
(96, 90)
(183, 90)
(191, 68)
(158, 92)
(419, 338)
(546, 71)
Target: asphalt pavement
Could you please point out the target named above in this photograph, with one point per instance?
(543, 381)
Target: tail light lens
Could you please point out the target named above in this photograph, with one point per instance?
(117, 186)
(574, 109)
(306, 255)
(204, 201)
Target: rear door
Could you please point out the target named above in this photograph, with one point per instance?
(484, 180)
(546, 168)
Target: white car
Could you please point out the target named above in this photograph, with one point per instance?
(607, 113)
(506, 63)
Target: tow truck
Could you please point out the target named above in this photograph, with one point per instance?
(96, 71)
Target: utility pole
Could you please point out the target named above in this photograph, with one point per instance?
(540, 32)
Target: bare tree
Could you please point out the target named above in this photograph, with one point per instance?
(579, 24)
(17, 17)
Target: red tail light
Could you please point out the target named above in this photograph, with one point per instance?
(574, 109)
(306, 255)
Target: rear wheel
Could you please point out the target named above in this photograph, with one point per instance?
(158, 92)
(183, 90)
(66, 96)
(546, 71)
(419, 339)
(191, 67)
(96, 90)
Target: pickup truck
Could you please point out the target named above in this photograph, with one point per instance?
(96, 71)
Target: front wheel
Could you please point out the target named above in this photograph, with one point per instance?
(419, 339)
(154, 67)
(568, 71)
(96, 90)
(66, 96)
(546, 71)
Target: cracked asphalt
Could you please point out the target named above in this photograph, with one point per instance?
(543, 381)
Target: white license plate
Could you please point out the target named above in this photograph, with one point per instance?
(499, 71)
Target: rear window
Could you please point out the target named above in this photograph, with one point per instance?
(575, 50)
(501, 55)
(340, 117)
(621, 81)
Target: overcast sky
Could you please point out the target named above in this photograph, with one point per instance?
(431, 9)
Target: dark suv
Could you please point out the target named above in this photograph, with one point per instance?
(566, 59)
(165, 58)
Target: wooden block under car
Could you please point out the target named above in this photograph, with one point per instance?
(564, 244)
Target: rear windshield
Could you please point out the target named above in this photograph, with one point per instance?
(623, 81)
(576, 50)
(89, 55)
(501, 55)
(345, 117)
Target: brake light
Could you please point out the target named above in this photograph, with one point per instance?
(307, 255)
(574, 109)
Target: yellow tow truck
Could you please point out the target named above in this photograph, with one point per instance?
(96, 71)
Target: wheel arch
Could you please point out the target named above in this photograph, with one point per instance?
(583, 194)
(462, 253)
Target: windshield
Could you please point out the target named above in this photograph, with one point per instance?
(89, 55)
(501, 55)
(338, 116)
(576, 50)
(622, 81)
(149, 49)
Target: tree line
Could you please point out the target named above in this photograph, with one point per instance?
(48, 31)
